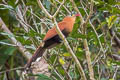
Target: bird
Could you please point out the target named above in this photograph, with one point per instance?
(52, 38)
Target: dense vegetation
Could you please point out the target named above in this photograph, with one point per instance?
(95, 39)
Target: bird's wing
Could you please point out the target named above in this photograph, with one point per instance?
(52, 32)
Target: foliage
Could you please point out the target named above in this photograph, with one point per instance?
(29, 24)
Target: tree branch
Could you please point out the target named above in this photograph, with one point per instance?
(43, 8)
(21, 48)
(55, 14)
(14, 69)
(46, 12)
(91, 12)
(89, 62)
(64, 7)
(91, 72)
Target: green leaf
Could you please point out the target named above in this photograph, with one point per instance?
(9, 50)
(66, 54)
(61, 70)
(43, 77)
(5, 52)
(80, 53)
(78, 35)
(100, 25)
(111, 20)
(104, 79)
(32, 33)
(52, 58)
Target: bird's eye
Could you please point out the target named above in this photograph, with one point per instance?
(73, 15)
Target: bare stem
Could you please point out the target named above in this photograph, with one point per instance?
(14, 69)
(89, 60)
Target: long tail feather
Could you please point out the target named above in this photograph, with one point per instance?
(38, 53)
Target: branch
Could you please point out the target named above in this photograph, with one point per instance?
(115, 37)
(46, 12)
(91, 12)
(91, 72)
(64, 7)
(115, 56)
(115, 73)
(43, 8)
(70, 51)
(14, 69)
(21, 48)
(55, 14)
(77, 10)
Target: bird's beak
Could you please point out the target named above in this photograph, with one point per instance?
(77, 14)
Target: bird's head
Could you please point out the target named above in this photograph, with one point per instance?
(71, 18)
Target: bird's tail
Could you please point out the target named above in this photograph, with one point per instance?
(38, 53)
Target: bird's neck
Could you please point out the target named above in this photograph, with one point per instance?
(69, 28)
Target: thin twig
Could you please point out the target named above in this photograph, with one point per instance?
(64, 7)
(55, 14)
(101, 47)
(66, 72)
(91, 12)
(14, 69)
(115, 73)
(52, 66)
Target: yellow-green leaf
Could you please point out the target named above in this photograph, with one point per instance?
(111, 20)
(108, 63)
(80, 49)
(61, 61)
(66, 54)
(111, 79)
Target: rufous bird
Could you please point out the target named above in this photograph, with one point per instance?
(52, 38)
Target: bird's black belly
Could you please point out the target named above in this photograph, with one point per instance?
(55, 40)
